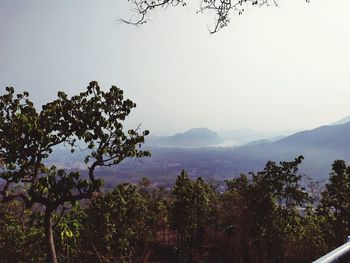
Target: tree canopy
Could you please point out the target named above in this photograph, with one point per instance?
(93, 119)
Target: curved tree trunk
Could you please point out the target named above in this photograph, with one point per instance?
(51, 256)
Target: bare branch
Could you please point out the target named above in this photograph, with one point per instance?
(143, 7)
(222, 9)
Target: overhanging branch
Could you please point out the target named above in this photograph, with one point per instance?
(222, 9)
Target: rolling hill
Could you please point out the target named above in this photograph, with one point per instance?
(197, 137)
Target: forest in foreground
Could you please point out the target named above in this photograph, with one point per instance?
(261, 217)
(48, 214)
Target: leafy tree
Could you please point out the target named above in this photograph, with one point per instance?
(242, 217)
(189, 213)
(69, 228)
(335, 204)
(21, 235)
(267, 207)
(222, 10)
(309, 243)
(118, 225)
(28, 137)
(157, 203)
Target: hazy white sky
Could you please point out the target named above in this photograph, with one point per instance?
(279, 69)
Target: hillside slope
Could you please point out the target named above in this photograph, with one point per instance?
(192, 138)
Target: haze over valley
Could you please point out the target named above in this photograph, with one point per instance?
(202, 152)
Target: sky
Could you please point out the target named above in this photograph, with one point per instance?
(273, 69)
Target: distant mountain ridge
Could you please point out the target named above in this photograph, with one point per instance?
(335, 136)
(203, 137)
(195, 137)
(243, 136)
(320, 147)
(342, 121)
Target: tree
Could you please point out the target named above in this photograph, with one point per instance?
(283, 183)
(118, 225)
(335, 205)
(222, 9)
(28, 137)
(189, 213)
(267, 204)
(238, 219)
(21, 237)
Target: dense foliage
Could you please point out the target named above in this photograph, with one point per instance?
(92, 120)
(266, 216)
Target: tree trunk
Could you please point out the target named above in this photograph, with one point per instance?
(51, 256)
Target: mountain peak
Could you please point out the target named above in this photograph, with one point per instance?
(193, 137)
(200, 130)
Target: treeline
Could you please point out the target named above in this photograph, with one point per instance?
(266, 216)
